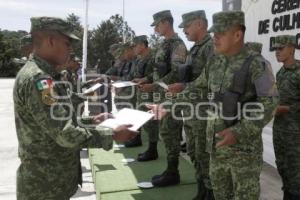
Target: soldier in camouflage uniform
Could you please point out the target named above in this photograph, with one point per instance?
(238, 78)
(238, 81)
(194, 25)
(48, 132)
(286, 128)
(124, 97)
(170, 55)
(143, 68)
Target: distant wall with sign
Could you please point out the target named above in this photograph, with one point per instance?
(267, 18)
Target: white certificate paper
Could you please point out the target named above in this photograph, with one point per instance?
(93, 88)
(128, 116)
(123, 84)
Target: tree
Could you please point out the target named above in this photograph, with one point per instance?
(155, 41)
(107, 33)
(10, 49)
(75, 23)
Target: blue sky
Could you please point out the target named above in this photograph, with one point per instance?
(15, 14)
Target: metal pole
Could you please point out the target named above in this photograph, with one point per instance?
(123, 26)
(84, 54)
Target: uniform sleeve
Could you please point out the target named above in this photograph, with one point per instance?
(178, 56)
(251, 127)
(56, 119)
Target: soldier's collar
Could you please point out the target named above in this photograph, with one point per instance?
(174, 37)
(204, 40)
(291, 67)
(239, 55)
(46, 67)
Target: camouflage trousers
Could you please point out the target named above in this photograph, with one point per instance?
(236, 177)
(35, 184)
(170, 131)
(287, 153)
(151, 127)
(195, 131)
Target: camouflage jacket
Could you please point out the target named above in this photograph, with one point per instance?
(288, 83)
(49, 134)
(171, 53)
(259, 90)
(198, 57)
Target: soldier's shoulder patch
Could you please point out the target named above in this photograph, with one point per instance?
(45, 86)
(44, 83)
(179, 53)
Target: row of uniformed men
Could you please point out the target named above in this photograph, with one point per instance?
(228, 167)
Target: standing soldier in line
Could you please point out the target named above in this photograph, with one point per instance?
(194, 25)
(286, 128)
(143, 68)
(168, 58)
(48, 132)
(124, 97)
(238, 81)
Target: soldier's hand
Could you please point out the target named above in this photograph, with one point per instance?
(123, 134)
(92, 93)
(99, 79)
(136, 80)
(158, 111)
(102, 117)
(228, 138)
(281, 110)
(147, 87)
(143, 81)
(176, 88)
(114, 78)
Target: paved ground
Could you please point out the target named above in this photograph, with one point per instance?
(270, 181)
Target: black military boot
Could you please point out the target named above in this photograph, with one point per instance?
(286, 195)
(209, 195)
(169, 177)
(293, 196)
(150, 154)
(135, 142)
(201, 193)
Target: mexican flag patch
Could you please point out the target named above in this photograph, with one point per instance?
(44, 84)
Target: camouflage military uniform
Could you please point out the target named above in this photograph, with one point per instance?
(195, 129)
(144, 67)
(286, 128)
(125, 97)
(48, 134)
(235, 169)
(173, 53)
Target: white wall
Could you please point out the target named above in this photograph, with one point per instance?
(256, 10)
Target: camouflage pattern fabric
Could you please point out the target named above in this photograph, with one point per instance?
(283, 40)
(286, 129)
(49, 134)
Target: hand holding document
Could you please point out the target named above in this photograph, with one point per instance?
(162, 84)
(128, 116)
(121, 84)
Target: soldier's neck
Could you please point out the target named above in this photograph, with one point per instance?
(145, 53)
(234, 50)
(169, 34)
(289, 62)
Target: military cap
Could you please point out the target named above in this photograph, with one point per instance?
(122, 48)
(157, 17)
(224, 20)
(140, 39)
(254, 46)
(189, 17)
(284, 40)
(52, 24)
(26, 40)
(113, 47)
